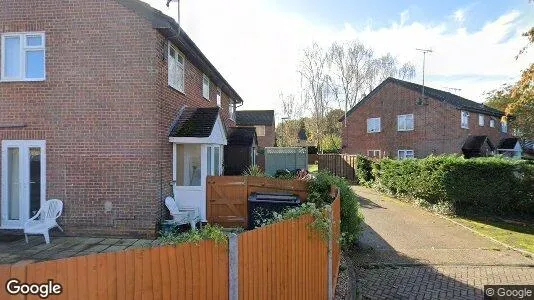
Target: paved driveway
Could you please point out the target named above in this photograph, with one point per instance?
(406, 252)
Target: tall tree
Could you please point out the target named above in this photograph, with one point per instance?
(317, 85)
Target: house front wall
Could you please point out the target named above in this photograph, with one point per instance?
(437, 127)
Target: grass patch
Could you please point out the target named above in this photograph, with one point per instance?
(516, 234)
(313, 168)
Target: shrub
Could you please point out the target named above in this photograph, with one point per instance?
(452, 183)
(351, 218)
(207, 232)
(254, 170)
(364, 167)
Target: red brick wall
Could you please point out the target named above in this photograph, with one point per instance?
(436, 125)
(104, 111)
(268, 139)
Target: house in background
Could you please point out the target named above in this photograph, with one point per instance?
(263, 121)
(478, 146)
(394, 120)
(241, 150)
(109, 106)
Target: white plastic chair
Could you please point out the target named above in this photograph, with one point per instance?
(44, 219)
(182, 215)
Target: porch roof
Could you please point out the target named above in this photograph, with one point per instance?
(194, 122)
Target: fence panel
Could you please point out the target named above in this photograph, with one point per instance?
(342, 165)
(281, 158)
(285, 260)
(336, 234)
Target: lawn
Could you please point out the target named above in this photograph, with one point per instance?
(313, 168)
(516, 234)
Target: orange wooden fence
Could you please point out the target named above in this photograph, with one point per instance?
(286, 260)
(227, 196)
(342, 165)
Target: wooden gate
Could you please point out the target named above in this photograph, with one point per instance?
(227, 196)
(227, 200)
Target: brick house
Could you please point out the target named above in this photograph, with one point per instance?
(95, 100)
(263, 121)
(395, 121)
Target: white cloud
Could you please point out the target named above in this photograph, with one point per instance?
(257, 46)
(459, 15)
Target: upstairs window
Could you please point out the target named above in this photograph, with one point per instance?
(260, 130)
(206, 87)
(231, 110)
(373, 153)
(504, 127)
(373, 125)
(176, 69)
(492, 123)
(480, 120)
(465, 120)
(405, 154)
(405, 122)
(219, 95)
(23, 57)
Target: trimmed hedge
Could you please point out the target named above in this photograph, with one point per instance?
(485, 185)
(351, 217)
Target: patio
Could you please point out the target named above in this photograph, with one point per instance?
(14, 249)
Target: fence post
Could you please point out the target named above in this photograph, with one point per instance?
(330, 258)
(233, 267)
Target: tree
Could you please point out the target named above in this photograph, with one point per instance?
(517, 100)
(317, 85)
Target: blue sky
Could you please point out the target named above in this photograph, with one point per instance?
(257, 44)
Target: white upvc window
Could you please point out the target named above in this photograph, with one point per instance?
(464, 119)
(405, 122)
(176, 69)
(23, 57)
(219, 96)
(504, 127)
(492, 123)
(231, 110)
(404, 154)
(373, 153)
(260, 130)
(205, 87)
(214, 160)
(373, 125)
(481, 120)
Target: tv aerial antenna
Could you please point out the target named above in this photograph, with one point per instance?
(425, 51)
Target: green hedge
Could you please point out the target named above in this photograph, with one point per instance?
(351, 217)
(486, 185)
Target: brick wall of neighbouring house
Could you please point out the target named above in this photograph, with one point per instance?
(268, 139)
(436, 125)
(104, 111)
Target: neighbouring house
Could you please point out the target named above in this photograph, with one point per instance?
(510, 147)
(241, 150)
(263, 121)
(109, 106)
(394, 120)
(478, 146)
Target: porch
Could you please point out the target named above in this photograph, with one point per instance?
(13, 248)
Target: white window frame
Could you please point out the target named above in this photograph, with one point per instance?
(373, 153)
(405, 117)
(219, 97)
(205, 87)
(405, 153)
(370, 121)
(481, 120)
(23, 49)
(464, 115)
(179, 86)
(231, 110)
(504, 127)
(492, 123)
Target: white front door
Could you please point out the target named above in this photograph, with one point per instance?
(23, 181)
